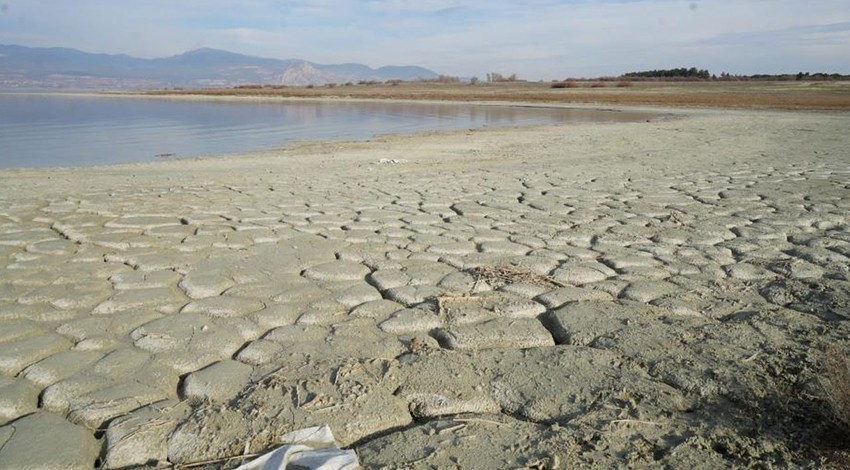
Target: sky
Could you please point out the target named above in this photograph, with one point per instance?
(535, 39)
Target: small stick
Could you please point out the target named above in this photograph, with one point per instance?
(326, 408)
(755, 354)
(452, 428)
(212, 461)
(480, 420)
(634, 421)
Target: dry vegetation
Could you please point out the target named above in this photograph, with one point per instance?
(501, 275)
(830, 446)
(834, 378)
(756, 94)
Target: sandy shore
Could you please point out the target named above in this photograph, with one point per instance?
(652, 294)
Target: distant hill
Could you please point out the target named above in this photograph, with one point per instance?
(58, 67)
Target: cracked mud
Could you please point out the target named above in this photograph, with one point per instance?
(595, 295)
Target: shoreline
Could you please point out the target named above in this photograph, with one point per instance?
(633, 294)
(662, 114)
(303, 151)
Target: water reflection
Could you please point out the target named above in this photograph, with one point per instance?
(61, 130)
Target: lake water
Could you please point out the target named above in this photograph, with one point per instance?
(42, 130)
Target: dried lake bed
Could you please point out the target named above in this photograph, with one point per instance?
(589, 295)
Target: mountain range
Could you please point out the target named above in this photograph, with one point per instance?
(58, 67)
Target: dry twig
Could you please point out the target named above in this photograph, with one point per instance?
(511, 274)
(202, 463)
(634, 421)
(479, 420)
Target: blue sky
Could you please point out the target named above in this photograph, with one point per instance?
(536, 39)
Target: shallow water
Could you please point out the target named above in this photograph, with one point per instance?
(43, 130)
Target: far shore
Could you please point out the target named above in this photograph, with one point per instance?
(802, 95)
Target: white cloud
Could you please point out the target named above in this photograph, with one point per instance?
(538, 39)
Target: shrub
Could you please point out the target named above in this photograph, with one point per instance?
(624, 84)
(497, 77)
(566, 84)
(597, 85)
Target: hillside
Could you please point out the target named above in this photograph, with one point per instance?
(69, 68)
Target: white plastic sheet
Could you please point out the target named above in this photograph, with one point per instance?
(311, 448)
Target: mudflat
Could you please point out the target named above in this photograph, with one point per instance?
(568, 296)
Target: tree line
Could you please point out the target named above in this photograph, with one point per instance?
(694, 73)
(682, 72)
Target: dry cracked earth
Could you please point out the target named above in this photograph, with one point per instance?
(502, 319)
